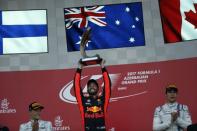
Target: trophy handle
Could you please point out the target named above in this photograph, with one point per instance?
(82, 50)
(91, 60)
(84, 40)
(88, 60)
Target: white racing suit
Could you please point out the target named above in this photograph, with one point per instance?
(43, 126)
(163, 121)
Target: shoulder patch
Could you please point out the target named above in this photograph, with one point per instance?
(185, 108)
(158, 108)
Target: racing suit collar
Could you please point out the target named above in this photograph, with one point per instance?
(33, 121)
(93, 96)
(172, 104)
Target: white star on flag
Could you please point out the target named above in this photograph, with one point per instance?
(133, 26)
(117, 22)
(137, 19)
(127, 9)
(132, 40)
(79, 42)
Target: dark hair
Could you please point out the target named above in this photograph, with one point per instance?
(171, 89)
(35, 105)
(4, 128)
(92, 81)
(192, 127)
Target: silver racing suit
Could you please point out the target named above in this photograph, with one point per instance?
(43, 126)
(163, 121)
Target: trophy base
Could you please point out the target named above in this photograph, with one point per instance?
(91, 60)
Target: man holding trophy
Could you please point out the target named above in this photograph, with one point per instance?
(93, 107)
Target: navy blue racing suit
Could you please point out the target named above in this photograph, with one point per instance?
(93, 110)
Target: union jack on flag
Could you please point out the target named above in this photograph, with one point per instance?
(113, 26)
(83, 15)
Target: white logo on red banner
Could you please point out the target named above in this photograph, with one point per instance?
(66, 95)
(112, 129)
(59, 126)
(5, 107)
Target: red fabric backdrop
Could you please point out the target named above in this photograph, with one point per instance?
(136, 90)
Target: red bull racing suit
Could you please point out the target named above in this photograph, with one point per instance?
(93, 110)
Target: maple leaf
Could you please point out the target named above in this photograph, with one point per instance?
(191, 17)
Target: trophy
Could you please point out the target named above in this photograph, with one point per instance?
(88, 60)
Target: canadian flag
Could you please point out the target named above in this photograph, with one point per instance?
(179, 20)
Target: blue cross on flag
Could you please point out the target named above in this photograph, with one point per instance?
(23, 31)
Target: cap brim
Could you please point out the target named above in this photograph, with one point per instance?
(38, 107)
(35, 106)
(171, 89)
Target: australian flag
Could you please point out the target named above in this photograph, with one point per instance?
(113, 26)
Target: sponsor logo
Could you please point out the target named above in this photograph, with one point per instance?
(112, 129)
(66, 95)
(94, 115)
(94, 109)
(59, 126)
(89, 100)
(5, 107)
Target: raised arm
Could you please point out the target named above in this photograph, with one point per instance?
(77, 84)
(107, 85)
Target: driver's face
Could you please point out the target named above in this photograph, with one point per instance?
(35, 114)
(92, 88)
(171, 96)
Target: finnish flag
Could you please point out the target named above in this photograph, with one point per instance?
(23, 32)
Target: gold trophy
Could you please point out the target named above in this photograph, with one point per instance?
(88, 60)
